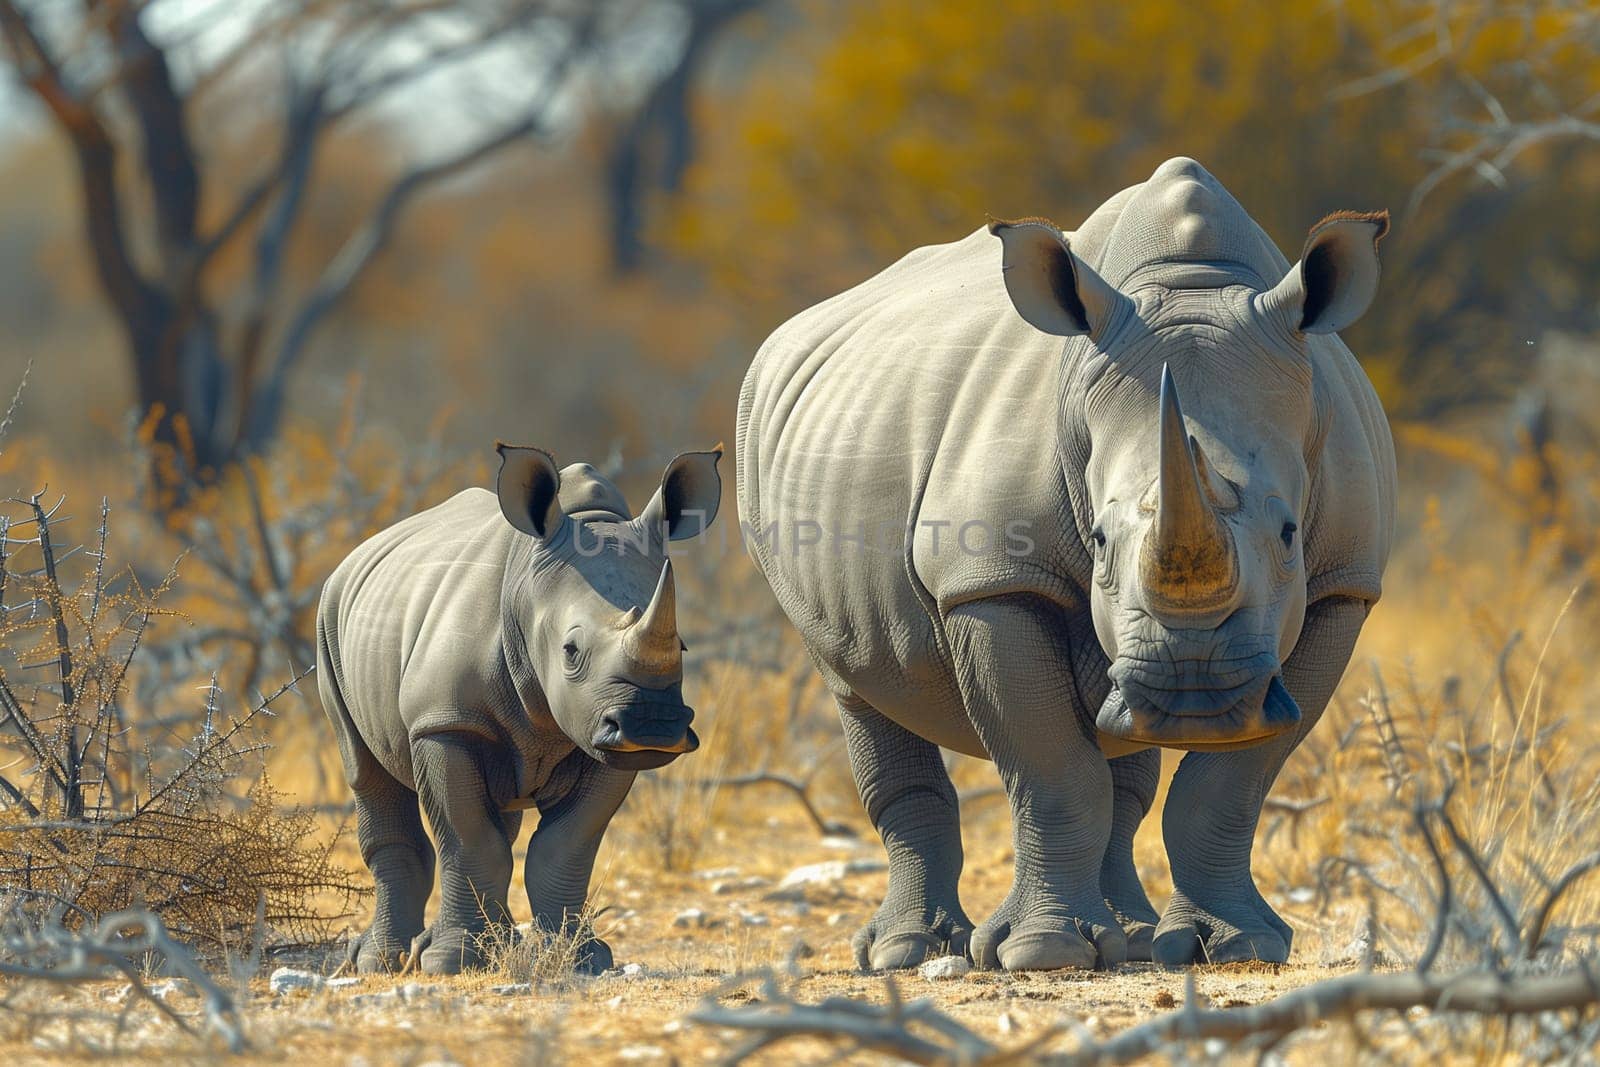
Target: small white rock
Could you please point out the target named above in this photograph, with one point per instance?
(944, 967)
(828, 872)
(1357, 949)
(694, 917)
(1302, 894)
(413, 992)
(639, 1052)
(753, 918)
(615, 1002)
(716, 873)
(1006, 1024)
(755, 881)
(162, 990)
(633, 970)
(840, 843)
(512, 989)
(285, 979)
(837, 917)
(341, 983)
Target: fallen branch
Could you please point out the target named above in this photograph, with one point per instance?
(801, 790)
(920, 1033)
(50, 952)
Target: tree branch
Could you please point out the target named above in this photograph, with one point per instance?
(363, 247)
(96, 154)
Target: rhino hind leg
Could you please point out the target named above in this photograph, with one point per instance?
(1012, 662)
(463, 780)
(1134, 779)
(909, 799)
(396, 850)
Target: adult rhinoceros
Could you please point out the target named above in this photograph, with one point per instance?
(1080, 566)
(498, 652)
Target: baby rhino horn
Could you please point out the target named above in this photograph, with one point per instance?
(654, 637)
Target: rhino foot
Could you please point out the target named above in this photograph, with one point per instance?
(893, 942)
(1027, 936)
(443, 952)
(594, 958)
(1141, 940)
(375, 951)
(1225, 931)
(1126, 898)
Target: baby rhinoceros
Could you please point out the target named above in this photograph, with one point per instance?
(490, 655)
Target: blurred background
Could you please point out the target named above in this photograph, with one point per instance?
(283, 270)
(571, 222)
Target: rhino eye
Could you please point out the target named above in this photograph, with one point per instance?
(1099, 539)
(570, 651)
(1287, 534)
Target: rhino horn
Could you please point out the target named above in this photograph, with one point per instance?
(1188, 563)
(653, 637)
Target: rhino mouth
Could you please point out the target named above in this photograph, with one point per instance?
(643, 736)
(1215, 719)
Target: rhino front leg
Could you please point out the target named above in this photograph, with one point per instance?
(1013, 662)
(1216, 914)
(463, 780)
(908, 796)
(1134, 779)
(572, 820)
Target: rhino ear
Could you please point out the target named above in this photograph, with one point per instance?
(1051, 288)
(1337, 276)
(690, 493)
(529, 487)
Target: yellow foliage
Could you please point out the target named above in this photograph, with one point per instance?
(900, 123)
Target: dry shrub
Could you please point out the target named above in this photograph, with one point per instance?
(1414, 786)
(1474, 737)
(114, 808)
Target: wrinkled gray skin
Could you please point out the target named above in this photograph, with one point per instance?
(498, 652)
(1166, 529)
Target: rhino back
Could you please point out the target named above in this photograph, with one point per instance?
(916, 401)
(411, 624)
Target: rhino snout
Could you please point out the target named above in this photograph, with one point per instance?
(1194, 687)
(1257, 713)
(653, 729)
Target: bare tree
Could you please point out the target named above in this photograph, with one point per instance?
(132, 85)
(654, 146)
(1494, 112)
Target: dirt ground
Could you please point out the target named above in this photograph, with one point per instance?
(691, 932)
